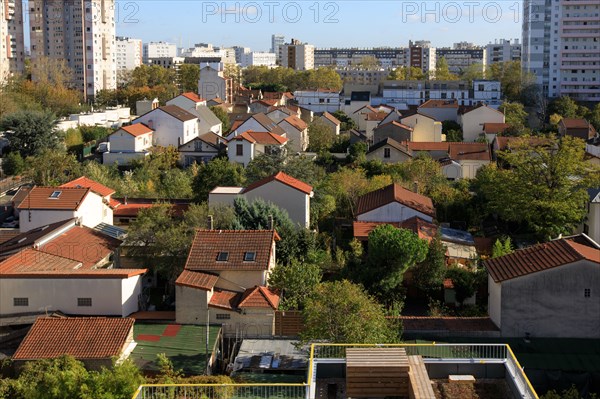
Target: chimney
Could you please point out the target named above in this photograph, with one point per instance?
(125, 200)
(416, 187)
(210, 222)
(271, 224)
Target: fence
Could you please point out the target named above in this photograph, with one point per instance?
(223, 391)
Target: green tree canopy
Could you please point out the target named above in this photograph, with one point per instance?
(52, 167)
(442, 72)
(320, 136)
(515, 115)
(429, 274)
(188, 76)
(31, 132)
(502, 248)
(223, 117)
(218, 172)
(296, 282)
(464, 282)
(342, 312)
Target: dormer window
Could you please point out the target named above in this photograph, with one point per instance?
(249, 256)
(55, 194)
(222, 256)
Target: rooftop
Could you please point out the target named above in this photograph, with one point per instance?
(137, 129)
(193, 96)
(281, 178)
(63, 198)
(395, 193)
(178, 113)
(85, 182)
(264, 138)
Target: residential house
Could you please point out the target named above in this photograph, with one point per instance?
(296, 131)
(441, 110)
(129, 208)
(393, 116)
(128, 143)
(424, 127)
(225, 280)
(359, 116)
(425, 230)
(393, 203)
(472, 120)
(437, 151)
(492, 130)
(105, 192)
(372, 121)
(358, 100)
(262, 106)
(332, 122)
(256, 123)
(470, 156)
(173, 126)
(548, 290)
(280, 98)
(357, 137)
(277, 114)
(144, 106)
(208, 121)
(94, 341)
(389, 150)
(321, 100)
(576, 127)
(45, 205)
(202, 149)
(503, 143)
(188, 101)
(31, 280)
(245, 147)
(591, 224)
(393, 130)
(213, 84)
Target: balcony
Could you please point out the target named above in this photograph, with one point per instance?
(488, 361)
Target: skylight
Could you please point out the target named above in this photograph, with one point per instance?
(55, 194)
(223, 256)
(249, 256)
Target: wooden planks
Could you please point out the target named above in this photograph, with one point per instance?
(376, 372)
(420, 384)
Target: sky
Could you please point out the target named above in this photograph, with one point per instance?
(346, 23)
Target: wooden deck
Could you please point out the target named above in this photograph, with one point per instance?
(376, 372)
(420, 384)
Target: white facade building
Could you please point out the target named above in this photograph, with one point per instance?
(158, 50)
(503, 51)
(255, 58)
(319, 100)
(298, 56)
(81, 33)
(129, 53)
(12, 52)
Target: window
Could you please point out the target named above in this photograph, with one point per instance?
(386, 152)
(84, 301)
(587, 292)
(239, 150)
(223, 316)
(55, 194)
(222, 256)
(249, 256)
(20, 301)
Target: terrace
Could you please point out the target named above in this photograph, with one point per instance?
(328, 372)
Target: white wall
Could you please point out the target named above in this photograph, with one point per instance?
(249, 124)
(442, 114)
(184, 103)
(395, 155)
(470, 168)
(593, 221)
(472, 122)
(91, 211)
(238, 280)
(131, 289)
(247, 154)
(296, 203)
(211, 84)
(169, 130)
(122, 158)
(61, 294)
(424, 128)
(41, 218)
(298, 140)
(393, 212)
(494, 301)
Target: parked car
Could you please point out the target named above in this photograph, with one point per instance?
(103, 147)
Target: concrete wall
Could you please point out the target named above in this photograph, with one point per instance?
(238, 280)
(122, 158)
(190, 305)
(296, 203)
(169, 130)
(131, 289)
(247, 152)
(298, 140)
(221, 199)
(108, 295)
(552, 303)
(442, 114)
(394, 212)
(424, 128)
(494, 301)
(593, 221)
(91, 211)
(249, 124)
(41, 218)
(472, 122)
(470, 168)
(393, 132)
(211, 85)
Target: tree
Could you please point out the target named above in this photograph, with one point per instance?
(223, 117)
(464, 283)
(188, 76)
(442, 72)
(511, 78)
(429, 274)
(545, 187)
(196, 216)
(369, 62)
(571, 393)
(473, 72)
(218, 172)
(452, 130)
(13, 164)
(320, 136)
(51, 168)
(392, 251)
(406, 73)
(296, 282)
(347, 123)
(342, 312)
(515, 115)
(564, 106)
(32, 132)
(502, 248)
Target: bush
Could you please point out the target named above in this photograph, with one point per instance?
(13, 164)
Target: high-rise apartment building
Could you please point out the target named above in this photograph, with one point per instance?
(276, 42)
(561, 46)
(297, 55)
(421, 55)
(158, 50)
(82, 32)
(12, 52)
(503, 51)
(461, 57)
(129, 53)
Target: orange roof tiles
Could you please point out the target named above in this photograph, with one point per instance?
(265, 138)
(376, 116)
(259, 297)
(284, 179)
(331, 118)
(395, 193)
(80, 337)
(575, 123)
(137, 129)
(208, 244)
(428, 146)
(495, 128)
(469, 151)
(194, 279)
(85, 182)
(39, 198)
(538, 258)
(440, 104)
(30, 260)
(425, 230)
(82, 244)
(224, 299)
(193, 96)
(296, 122)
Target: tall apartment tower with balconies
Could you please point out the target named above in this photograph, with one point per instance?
(82, 32)
(12, 51)
(561, 46)
(297, 55)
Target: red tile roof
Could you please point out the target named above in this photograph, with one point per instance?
(193, 96)
(296, 122)
(69, 199)
(135, 205)
(395, 193)
(440, 104)
(284, 179)
(448, 283)
(268, 102)
(82, 244)
(428, 146)
(376, 116)
(396, 124)
(80, 337)
(85, 182)
(259, 297)
(331, 118)
(495, 128)
(265, 138)
(137, 129)
(538, 258)
(505, 142)
(575, 123)
(225, 299)
(208, 244)
(469, 151)
(178, 113)
(192, 279)
(425, 230)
